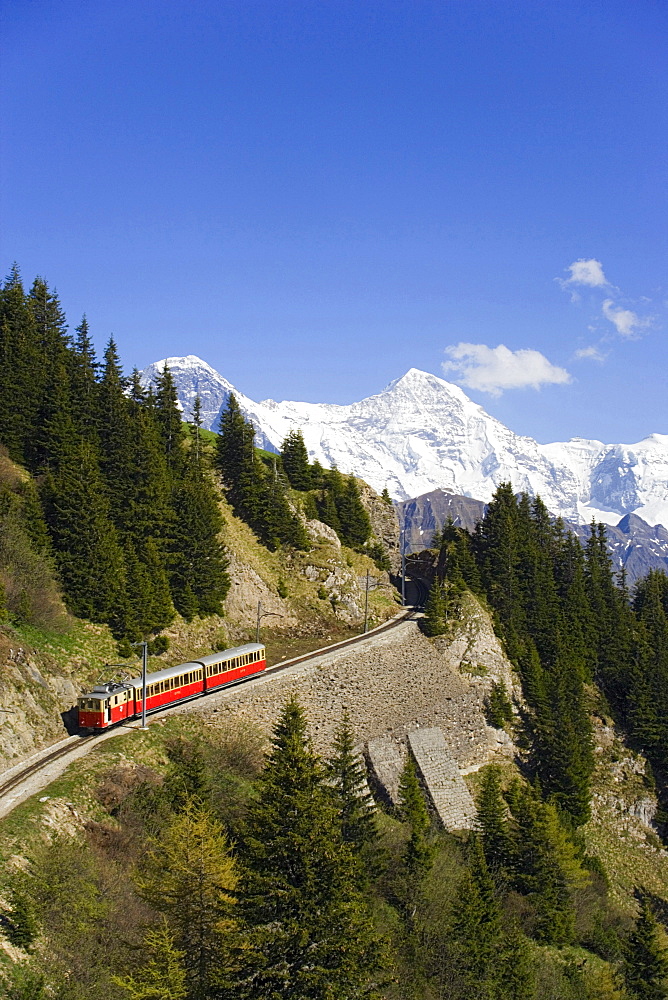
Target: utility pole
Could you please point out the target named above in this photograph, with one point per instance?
(403, 565)
(366, 604)
(144, 663)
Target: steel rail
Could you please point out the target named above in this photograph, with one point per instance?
(36, 766)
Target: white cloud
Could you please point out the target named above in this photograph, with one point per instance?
(586, 272)
(627, 323)
(494, 369)
(592, 353)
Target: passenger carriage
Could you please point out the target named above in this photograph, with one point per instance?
(113, 702)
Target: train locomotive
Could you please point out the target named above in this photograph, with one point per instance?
(113, 702)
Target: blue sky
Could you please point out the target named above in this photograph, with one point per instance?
(316, 196)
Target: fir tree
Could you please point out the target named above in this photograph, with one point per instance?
(353, 517)
(196, 425)
(89, 558)
(21, 925)
(327, 512)
(478, 930)
(117, 451)
(53, 430)
(546, 866)
(234, 453)
(435, 610)
(418, 855)
(493, 824)
(645, 966)
(317, 475)
(187, 781)
(309, 931)
(168, 416)
(354, 805)
(199, 563)
(295, 461)
(19, 360)
(83, 369)
(385, 496)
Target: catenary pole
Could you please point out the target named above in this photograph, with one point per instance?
(366, 604)
(403, 566)
(144, 664)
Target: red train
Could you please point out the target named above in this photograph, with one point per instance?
(114, 701)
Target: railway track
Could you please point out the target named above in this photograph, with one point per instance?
(74, 744)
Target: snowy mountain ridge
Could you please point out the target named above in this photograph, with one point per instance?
(422, 433)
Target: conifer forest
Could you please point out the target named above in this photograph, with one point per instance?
(228, 864)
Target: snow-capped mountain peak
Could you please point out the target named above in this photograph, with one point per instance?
(422, 433)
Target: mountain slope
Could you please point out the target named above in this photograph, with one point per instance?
(422, 433)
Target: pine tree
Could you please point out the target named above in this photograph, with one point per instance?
(88, 555)
(418, 855)
(317, 475)
(83, 369)
(385, 496)
(277, 523)
(353, 517)
(169, 420)
(187, 781)
(435, 610)
(327, 512)
(21, 925)
(546, 864)
(478, 930)
(117, 450)
(295, 461)
(21, 369)
(498, 544)
(234, 453)
(562, 751)
(196, 426)
(198, 564)
(354, 805)
(53, 430)
(310, 934)
(190, 877)
(493, 824)
(647, 694)
(646, 962)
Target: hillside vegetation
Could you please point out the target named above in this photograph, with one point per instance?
(201, 864)
(114, 528)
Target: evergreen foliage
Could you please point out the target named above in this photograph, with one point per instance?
(354, 806)
(118, 493)
(418, 854)
(496, 836)
(295, 461)
(259, 496)
(499, 709)
(21, 925)
(645, 966)
(536, 584)
(309, 933)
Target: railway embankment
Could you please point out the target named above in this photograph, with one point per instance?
(391, 684)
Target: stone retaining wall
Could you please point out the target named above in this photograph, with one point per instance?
(391, 684)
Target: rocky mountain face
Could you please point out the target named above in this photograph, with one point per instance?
(422, 433)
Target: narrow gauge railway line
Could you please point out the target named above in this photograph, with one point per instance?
(39, 765)
(73, 745)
